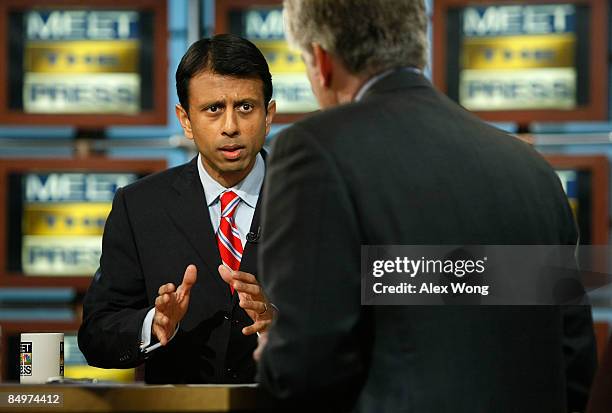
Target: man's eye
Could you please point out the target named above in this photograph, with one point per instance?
(213, 108)
(246, 107)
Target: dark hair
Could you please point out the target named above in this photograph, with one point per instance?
(223, 54)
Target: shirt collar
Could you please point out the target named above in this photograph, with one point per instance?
(247, 189)
(367, 85)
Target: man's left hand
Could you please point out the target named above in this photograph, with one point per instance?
(252, 299)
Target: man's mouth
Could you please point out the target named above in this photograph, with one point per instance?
(231, 151)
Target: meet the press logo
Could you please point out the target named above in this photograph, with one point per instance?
(25, 359)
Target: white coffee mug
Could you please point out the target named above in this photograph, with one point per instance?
(41, 357)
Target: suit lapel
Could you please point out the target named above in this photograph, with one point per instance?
(249, 255)
(190, 214)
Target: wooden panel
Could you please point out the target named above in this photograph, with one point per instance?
(602, 332)
(140, 398)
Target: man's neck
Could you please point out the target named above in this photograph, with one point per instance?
(354, 84)
(344, 83)
(349, 91)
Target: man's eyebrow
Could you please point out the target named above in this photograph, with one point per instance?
(211, 103)
(250, 100)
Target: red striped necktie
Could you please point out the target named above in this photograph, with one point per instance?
(228, 237)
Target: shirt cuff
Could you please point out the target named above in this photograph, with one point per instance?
(145, 333)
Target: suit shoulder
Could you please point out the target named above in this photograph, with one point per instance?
(328, 122)
(320, 129)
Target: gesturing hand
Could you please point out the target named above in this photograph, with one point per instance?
(262, 342)
(251, 298)
(171, 305)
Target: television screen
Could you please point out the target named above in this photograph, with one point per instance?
(62, 220)
(263, 25)
(83, 59)
(521, 57)
(55, 214)
(585, 182)
(523, 62)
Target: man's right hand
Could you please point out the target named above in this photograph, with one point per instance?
(171, 305)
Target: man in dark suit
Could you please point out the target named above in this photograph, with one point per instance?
(187, 227)
(394, 162)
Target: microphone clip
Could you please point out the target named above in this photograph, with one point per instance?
(253, 237)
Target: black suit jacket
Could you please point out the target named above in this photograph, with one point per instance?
(407, 166)
(157, 227)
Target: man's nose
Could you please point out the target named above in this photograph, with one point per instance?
(230, 124)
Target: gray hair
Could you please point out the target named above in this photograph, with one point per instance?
(369, 36)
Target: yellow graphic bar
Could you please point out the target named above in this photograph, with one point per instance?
(65, 218)
(280, 57)
(84, 371)
(88, 56)
(519, 52)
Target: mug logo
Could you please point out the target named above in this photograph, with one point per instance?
(25, 359)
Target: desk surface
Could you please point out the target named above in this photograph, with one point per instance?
(136, 398)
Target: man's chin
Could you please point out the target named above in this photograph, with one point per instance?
(242, 163)
(235, 165)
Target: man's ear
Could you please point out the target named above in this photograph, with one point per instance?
(270, 115)
(323, 64)
(183, 118)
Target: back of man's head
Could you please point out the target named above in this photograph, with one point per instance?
(223, 54)
(369, 36)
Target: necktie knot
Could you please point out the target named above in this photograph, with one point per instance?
(229, 202)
